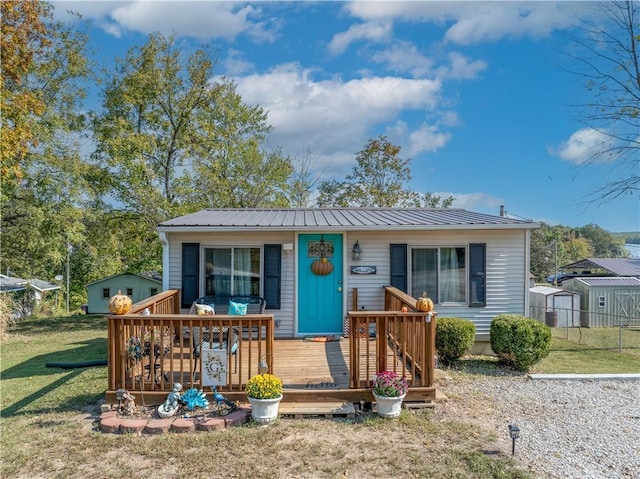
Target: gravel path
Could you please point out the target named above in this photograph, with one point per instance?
(581, 429)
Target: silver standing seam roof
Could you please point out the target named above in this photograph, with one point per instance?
(296, 219)
(609, 281)
(617, 266)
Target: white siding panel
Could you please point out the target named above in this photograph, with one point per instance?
(506, 278)
(283, 316)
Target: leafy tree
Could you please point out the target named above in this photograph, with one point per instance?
(174, 141)
(23, 36)
(377, 180)
(603, 243)
(230, 165)
(43, 175)
(570, 245)
(608, 59)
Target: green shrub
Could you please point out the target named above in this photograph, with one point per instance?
(520, 342)
(454, 338)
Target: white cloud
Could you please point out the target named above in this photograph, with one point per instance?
(480, 202)
(424, 138)
(581, 146)
(203, 20)
(333, 118)
(461, 68)
(235, 63)
(372, 31)
(475, 22)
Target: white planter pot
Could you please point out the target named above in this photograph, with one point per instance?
(388, 407)
(264, 411)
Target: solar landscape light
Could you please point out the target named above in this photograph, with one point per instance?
(514, 432)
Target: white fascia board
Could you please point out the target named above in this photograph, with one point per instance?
(236, 229)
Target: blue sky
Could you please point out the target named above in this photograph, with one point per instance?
(475, 93)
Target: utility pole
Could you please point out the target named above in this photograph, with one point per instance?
(69, 248)
(555, 254)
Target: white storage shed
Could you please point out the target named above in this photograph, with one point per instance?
(555, 306)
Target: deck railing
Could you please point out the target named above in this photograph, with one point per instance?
(152, 346)
(403, 342)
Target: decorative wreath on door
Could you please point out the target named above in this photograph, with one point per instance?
(322, 266)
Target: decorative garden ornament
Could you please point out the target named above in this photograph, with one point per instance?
(172, 404)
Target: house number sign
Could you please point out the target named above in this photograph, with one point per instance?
(363, 269)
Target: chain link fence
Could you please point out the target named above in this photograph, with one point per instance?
(619, 332)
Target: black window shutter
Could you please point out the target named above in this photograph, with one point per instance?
(477, 275)
(272, 275)
(190, 273)
(398, 264)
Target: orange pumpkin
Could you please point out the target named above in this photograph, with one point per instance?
(322, 267)
(119, 303)
(424, 304)
(404, 309)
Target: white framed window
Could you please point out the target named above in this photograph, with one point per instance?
(441, 272)
(232, 271)
(601, 301)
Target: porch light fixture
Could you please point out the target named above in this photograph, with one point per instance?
(356, 252)
(514, 432)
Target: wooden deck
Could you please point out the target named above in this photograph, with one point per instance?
(336, 371)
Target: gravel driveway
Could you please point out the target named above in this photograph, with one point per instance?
(582, 429)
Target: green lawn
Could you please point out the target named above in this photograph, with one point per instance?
(48, 429)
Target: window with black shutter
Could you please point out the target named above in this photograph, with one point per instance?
(190, 273)
(272, 275)
(477, 275)
(398, 264)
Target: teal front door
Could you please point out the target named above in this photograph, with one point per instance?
(319, 296)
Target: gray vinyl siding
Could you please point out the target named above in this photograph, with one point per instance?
(506, 274)
(284, 316)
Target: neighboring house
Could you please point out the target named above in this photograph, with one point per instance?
(136, 286)
(472, 265)
(555, 305)
(608, 301)
(605, 267)
(9, 284)
(19, 288)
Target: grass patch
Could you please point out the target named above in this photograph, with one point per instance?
(47, 432)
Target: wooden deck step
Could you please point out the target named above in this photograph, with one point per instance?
(326, 409)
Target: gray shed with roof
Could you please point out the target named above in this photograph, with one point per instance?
(607, 301)
(473, 265)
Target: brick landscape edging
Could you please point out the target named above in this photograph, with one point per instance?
(112, 423)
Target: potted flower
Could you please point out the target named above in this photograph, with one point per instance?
(264, 392)
(389, 390)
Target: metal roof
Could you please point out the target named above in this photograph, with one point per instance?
(617, 266)
(548, 290)
(296, 219)
(150, 277)
(609, 281)
(8, 283)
